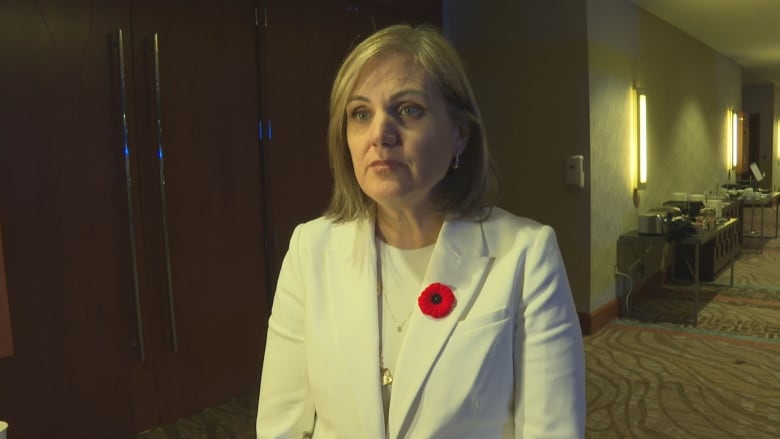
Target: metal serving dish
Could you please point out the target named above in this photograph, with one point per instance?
(656, 221)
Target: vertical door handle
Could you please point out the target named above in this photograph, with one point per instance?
(129, 186)
(269, 132)
(163, 192)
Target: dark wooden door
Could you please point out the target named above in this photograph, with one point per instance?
(6, 338)
(65, 217)
(758, 155)
(95, 312)
(302, 46)
(205, 219)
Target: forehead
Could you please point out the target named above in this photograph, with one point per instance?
(391, 71)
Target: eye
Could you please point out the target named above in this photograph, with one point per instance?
(410, 110)
(360, 114)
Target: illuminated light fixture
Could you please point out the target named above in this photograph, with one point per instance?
(734, 139)
(778, 142)
(642, 139)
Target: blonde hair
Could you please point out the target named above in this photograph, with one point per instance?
(462, 192)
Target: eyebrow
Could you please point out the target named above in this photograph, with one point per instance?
(393, 97)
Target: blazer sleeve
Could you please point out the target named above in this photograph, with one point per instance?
(284, 408)
(549, 354)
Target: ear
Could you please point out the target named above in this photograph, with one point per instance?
(462, 136)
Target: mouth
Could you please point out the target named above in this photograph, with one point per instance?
(384, 164)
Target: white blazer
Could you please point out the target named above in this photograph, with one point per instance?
(507, 362)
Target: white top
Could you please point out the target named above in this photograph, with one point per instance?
(402, 274)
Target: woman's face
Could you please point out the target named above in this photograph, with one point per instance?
(400, 135)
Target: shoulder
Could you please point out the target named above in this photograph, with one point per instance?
(323, 232)
(316, 226)
(503, 228)
(504, 221)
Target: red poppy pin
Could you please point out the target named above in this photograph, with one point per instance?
(436, 300)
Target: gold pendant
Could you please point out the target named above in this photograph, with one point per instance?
(387, 379)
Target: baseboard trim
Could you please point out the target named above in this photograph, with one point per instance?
(591, 323)
(646, 289)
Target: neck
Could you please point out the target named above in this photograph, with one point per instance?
(408, 229)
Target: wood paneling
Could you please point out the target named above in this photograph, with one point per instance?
(81, 312)
(6, 337)
(301, 50)
(64, 216)
(64, 210)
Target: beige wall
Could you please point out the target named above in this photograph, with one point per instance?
(689, 88)
(528, 64)
(762, 99)
(776, 143)
(556, 79)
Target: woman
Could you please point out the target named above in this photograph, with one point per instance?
(412, 308)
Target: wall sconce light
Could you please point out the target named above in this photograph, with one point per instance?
(778, 142)
(734, 139)
(641, 140)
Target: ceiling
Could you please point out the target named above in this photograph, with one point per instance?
(747, 31)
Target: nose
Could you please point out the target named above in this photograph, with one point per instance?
(384, 130)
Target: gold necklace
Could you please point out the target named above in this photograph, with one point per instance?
(386, 376)
(380, 291)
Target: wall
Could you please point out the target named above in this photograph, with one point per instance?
(528, 66)
(761, 99)
(689, 87)
(556, 79)
(776, 143)
(6, 339)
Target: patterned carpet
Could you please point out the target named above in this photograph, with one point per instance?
(653, 382)
(234, 419)
(656, 375)
(660, 375)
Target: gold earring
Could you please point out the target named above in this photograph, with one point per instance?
(455, 162)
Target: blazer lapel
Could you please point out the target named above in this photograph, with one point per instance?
(352, 292)
(460, 260)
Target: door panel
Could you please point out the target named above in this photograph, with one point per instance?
(64, 206)
(65, 220)
(302, 48)
(303, 45)
(214, 195)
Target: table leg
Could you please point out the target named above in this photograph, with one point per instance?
(751, 231)
(752, 215)
(731, 259)
(696, 285)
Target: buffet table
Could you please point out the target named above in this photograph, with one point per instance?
(718, 248)
(762, 202)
